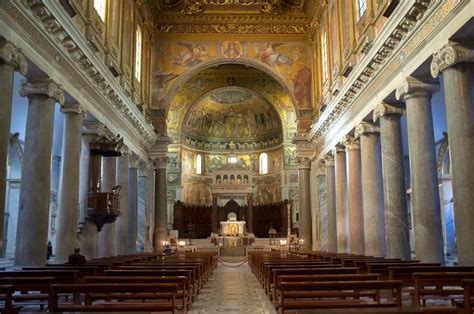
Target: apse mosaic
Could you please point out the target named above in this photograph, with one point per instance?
(288, 60)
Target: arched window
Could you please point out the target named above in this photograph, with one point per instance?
(199, 164)
(324, 52)
(138, 53)
(263, 163)
(361, 6)
(101, 7)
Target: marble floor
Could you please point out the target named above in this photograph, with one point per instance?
(232, 290)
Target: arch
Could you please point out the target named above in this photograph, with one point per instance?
(184, 77)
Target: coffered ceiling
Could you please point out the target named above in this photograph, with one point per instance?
(233, 16)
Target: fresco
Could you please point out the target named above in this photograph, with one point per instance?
(290, 60)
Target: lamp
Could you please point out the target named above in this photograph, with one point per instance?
(181, 243)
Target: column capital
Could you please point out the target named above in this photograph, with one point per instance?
(450, 55)
(161, 162)
(143, 168)
(329, 160)
(339, 148)
(304, 162)
(365, 128)
(412, 87)
(133, 160)
(43, 87)
(74, 108)
(93, 128)
(385, 109)
(13, 56)
(350, 142)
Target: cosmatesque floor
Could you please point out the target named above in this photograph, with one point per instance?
(232, 290)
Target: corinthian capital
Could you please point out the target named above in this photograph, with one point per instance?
(13, 56)
(365, 128)
(450, 55)
(350, 142)
(384, 109)
(44, 87)
(161, 162)
(329, 160)
(73, 108)
(304, 162)
(412, 87)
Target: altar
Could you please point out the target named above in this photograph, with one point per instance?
(232, 228)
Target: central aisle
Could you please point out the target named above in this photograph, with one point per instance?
(232, 290)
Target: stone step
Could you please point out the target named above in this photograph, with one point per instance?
(6, 263)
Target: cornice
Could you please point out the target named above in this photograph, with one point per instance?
(401, 25)
(62, 32)
(234, 27)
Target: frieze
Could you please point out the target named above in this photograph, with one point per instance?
(415, 15)
(48, 20)
(234, 28)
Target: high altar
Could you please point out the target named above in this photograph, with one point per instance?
(232, 228)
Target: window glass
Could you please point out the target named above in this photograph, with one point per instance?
(138, 53)
(263, 163)
(100, 7)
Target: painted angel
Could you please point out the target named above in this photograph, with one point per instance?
(268, 54)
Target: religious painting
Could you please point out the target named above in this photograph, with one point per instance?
(232, 49)
(302, 85)
(268, 54)
(192, 55)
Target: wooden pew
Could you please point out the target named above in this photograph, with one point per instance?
(183, 294)
(29, 290)
(348, 294)
(382, 268)
(6, 292)
(107, 297)
(267, 278)
(468, 286)
(405, 274)
(438, 285)
(60, 276)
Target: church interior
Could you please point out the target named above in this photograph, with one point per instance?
(237, 156)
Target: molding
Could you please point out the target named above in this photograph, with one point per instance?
(42, 87)
(450, 55)
(13, 57)
(401, 24)
(61, 31)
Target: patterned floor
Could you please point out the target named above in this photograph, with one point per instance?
(232, 290)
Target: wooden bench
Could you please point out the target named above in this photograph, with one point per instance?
(468, 286)
(183, 294)
(31, 291)
(405, 274)
(382, 268)
(339, 294)
(108, 297)
(6, 292)
(439, 286)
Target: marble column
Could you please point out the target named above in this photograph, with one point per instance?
(132, 204)
(342, 218)
(11, 60)
(354, 185)
(304, 201)
(160, 233)
(88, 235)
(149, 208)
(331, 202)
(318, 171)
(426, 207)
(107, 235)
(214, 228)
(372, 189)
(32, 231)
(121, 224)
(394, 190)
(69, 182)
(456, 63)
(250, 213)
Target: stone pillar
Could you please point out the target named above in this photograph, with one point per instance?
(304, 201)
(356, 214)
(121, 224)
(107, 235)
(88, 235)
(394, 190)
(342, 218)
(11, 60)
(214, 214)
(423, 169)
(160, 232)
(250, 213)
(455, 62)
(319, 171)
(372, 191)
(32, 231)
(149, 208)
(69, 182)
(331, 202)
(132, 204)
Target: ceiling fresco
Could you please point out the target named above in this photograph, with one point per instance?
(289, 61)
